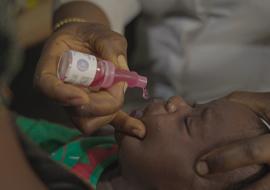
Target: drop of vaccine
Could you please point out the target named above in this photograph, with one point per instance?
(145, 94)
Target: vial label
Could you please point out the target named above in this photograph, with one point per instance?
(81, 69)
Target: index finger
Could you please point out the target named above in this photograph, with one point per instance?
(240, 154)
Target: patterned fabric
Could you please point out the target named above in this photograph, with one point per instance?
(85, 157)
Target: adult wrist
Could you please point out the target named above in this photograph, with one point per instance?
(79, 11)
(117, 16)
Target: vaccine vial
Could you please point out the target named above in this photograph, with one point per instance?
(86, 70)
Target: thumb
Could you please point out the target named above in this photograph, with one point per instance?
(124, 123)
(236, 155)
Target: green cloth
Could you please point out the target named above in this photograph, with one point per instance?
(87, 157)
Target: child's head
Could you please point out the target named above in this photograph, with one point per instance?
(165, 158)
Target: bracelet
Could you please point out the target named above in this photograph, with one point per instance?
(67, 21)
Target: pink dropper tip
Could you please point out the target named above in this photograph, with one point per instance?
(141, 82)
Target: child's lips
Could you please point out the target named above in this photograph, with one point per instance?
(137, 113)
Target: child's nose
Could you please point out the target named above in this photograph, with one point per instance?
(156, 106)
(176, 103)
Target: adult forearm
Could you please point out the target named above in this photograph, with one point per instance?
(117, 12)
(83, 10)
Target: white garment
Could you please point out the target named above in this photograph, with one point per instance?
(222, 47)
(204, 49)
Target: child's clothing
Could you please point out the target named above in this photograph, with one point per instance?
(86, 157)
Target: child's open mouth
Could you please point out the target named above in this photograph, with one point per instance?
(138, 113)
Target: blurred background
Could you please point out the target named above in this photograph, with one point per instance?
(33, 28)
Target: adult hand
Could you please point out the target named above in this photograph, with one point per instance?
(248, 152)
(88, 109)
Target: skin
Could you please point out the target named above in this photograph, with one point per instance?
(248, 152)
(16, 172)
(223, 159)
(89, 110)
(188, 132)
(141, 160)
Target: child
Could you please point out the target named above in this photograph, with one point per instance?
(164, 159)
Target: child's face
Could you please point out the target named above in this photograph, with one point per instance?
(165, 158)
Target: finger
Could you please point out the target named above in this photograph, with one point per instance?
(89, 125)
(101, 103)
(110, 100)
(112, 46)
(106, 101)
(132, 126)
(108, 44)
(105, 46)
(121, 64)
(236, 155)
(258, 102)
(46, 78)
(118, 90)
(263, 184)
(63, 93)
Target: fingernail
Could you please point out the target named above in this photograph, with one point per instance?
(125, 87)
(138, 133)
(202, 168)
